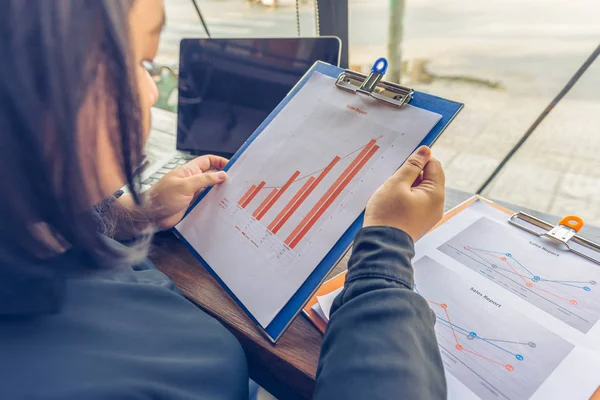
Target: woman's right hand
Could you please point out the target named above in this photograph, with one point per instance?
(412, 200)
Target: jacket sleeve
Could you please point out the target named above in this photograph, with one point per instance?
(380, 341)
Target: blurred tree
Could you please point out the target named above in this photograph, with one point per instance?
(395, 32)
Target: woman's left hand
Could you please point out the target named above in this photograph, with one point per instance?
(171, 196)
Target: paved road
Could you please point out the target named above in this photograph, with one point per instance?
(530, 47)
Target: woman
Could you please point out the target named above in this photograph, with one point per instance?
(81, 317)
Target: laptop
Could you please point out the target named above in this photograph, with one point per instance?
(227, 87)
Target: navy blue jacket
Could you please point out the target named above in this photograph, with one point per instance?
(129, 333)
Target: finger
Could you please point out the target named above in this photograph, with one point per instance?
(204, 163)
(409, 171)
(433, 172)
(197, 182)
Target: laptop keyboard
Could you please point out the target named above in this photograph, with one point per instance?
(173, 163)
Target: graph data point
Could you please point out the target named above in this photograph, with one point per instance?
(467, 247)
(536, 278)
(509, 367)
(519, 357)
(592, 282)
(473, 334)
(574, 302)
(459, 347)
(532, 345)
(444, 305)
(503, 258)
(508, 255)
(587, 289)
(529, 284)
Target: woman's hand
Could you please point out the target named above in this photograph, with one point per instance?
(171, 196)
(412, 200)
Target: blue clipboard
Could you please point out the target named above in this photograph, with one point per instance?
(446, 108)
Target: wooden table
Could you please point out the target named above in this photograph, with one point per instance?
(286, 369)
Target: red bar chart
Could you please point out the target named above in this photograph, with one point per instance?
(245, 196)
(279, 193)
(302, 188)
(292, 206)
(264, 205)
(332, 193)
(251, 194)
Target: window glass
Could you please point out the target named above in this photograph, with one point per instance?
(224, 19)
(506, 60)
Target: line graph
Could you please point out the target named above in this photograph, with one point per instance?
(493, 350)
(553, 280)
(301, 178)
(472, 335)
(528, 278)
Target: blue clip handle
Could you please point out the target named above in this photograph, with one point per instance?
(380, 66)
(377, 72)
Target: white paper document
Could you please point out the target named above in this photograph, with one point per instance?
(297, 188)
(517, 315)
(317, 308)
(326, 301)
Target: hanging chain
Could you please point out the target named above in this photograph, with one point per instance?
(317, 20)
(298, 16)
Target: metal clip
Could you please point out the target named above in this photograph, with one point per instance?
(373, 85)
(566, 229)
(564, 233)
(377, 72)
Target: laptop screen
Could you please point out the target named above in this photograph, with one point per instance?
(227, 87)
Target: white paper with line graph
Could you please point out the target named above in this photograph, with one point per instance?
(493, 350)
(517, 316)
(560, 283)
(297, 188)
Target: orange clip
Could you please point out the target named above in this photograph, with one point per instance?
(572, 222)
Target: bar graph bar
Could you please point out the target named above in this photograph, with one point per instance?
(329, 191)
(356, 165)
(264, 204)
(307, 193)
(309, 190)
(250, 196)
(314, 183)
(288, 205)
(292, 206)
(270, 202)
(248, 193)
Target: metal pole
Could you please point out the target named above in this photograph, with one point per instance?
(395, 32)
(586, 64)
(333, 17)
(201, 18)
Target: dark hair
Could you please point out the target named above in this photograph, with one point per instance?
(59, 58)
